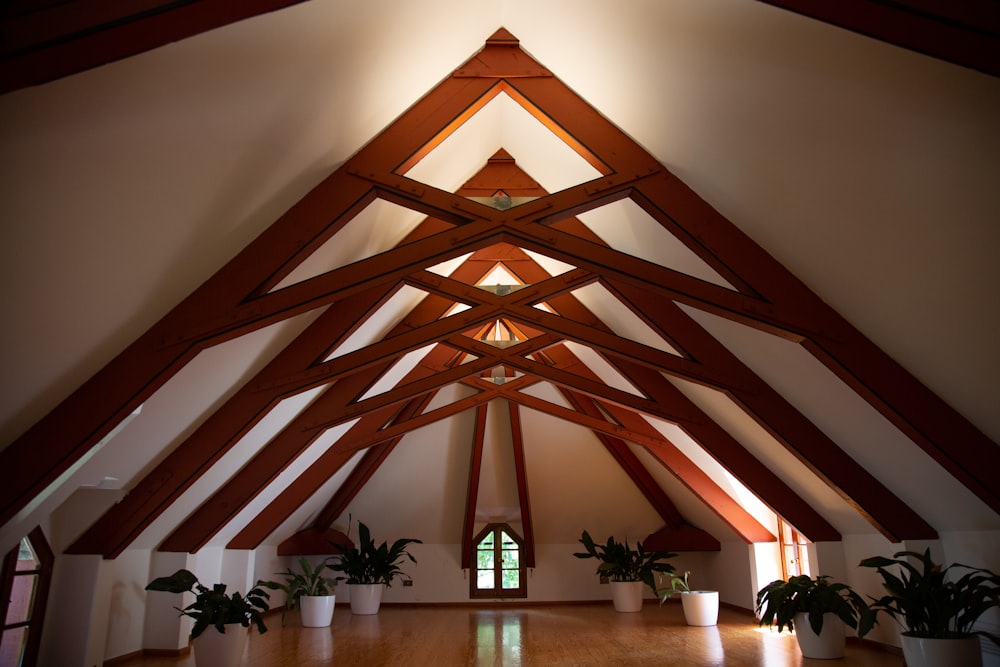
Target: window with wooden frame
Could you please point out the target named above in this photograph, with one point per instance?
(794, 557)
(24, 588)
(498, 564)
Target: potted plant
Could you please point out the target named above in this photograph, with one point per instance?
(816, 609)
(309, 591)
(938, 615)
(370, 568)
(628, 569)
(701, 608)
(227, 615)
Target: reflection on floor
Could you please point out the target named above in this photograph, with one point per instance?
(579, 635)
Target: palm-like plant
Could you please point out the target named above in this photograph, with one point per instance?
(212, 607)
(310, 581)
(620, 562)
(929, 605)
(367, 563)
(780, 601)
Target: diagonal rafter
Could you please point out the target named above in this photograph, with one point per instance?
(681, 467)
(472, 493)
(125, 520)
(823, 456)
(239, 298)
(521, 475)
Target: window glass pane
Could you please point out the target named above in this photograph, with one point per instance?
(21, 596)
(484, 580)
(12, 646)
(510, 560)
(507, 542)
(484, 560)
(26, 559)
(487, 542)
(510, 578)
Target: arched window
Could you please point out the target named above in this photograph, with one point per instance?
(498, 564)
(24, 588)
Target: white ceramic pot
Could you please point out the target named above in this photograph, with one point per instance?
(220, 649)
(317, 610)
(828, 644)
(366, 598)
(700, 607)
(927, 652)
(627, 595)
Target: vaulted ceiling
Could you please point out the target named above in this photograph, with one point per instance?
(500, 297)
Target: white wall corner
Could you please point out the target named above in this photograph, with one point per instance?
(164, 628)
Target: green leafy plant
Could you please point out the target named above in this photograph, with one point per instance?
(367, 563)
(780, 601)
(928, 604)
(212, 607)
(310, 581)
(678, 584)
(620, 562)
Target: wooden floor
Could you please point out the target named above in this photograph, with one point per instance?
(579, 635)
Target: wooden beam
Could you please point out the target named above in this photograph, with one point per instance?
(183, 466)
(472, 493)
(72, 429)
(628, 461)
(883, 509)
(964, 33)
(521, 475)
(314, 542)
(57, 39)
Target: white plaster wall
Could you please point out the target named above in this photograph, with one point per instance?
(163, 627)
(73, 626)
(124, 579)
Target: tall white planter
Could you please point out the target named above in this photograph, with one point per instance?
(366, 598)
(828, 644)
(627, 595)
(217, 649)
(700, 607)
(317, 610)
(926, 652)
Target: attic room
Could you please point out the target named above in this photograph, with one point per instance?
(713, 275)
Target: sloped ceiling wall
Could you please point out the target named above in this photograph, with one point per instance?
(866, 170)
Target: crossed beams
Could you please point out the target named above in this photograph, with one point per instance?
(240, 298)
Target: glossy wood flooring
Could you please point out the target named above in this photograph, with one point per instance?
(578, 635)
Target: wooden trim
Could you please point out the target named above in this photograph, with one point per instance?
(518, 593)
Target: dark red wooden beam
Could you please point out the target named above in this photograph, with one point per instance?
(810, 445)
(789, 305)
(373, 458)
(628, 462)
(521, 475)
(965, 33)
(330, 461)
(314, 542)
(237, 299)
(472, 494)
(62, 38)
(684, 536)
(146, 500)
(76, 425)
